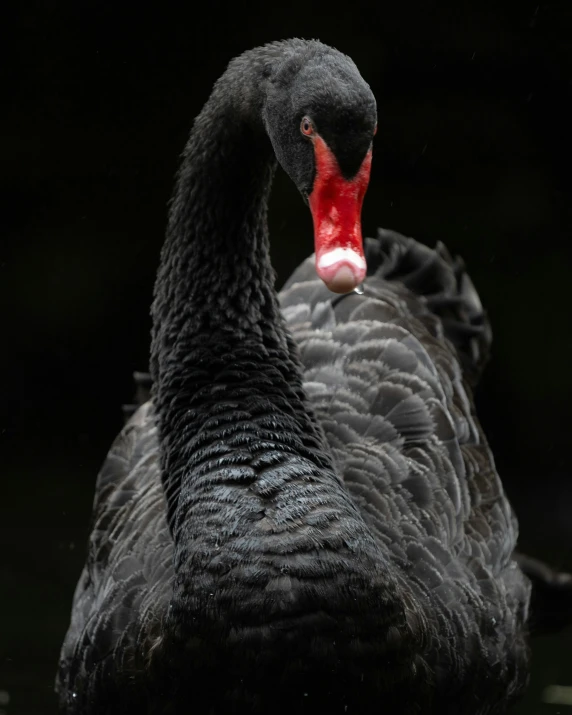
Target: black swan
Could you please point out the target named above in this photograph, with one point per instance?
(305, 517)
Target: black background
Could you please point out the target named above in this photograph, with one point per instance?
(474, 148)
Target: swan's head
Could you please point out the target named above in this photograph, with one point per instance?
(321, 117)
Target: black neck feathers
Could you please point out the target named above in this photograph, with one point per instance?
(221, 358)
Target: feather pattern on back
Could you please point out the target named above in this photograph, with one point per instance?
(388, 374)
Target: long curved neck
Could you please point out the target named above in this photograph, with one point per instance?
(215, 258)
(264, 530)
(227, 385)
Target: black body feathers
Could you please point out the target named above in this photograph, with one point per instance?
(306, 517)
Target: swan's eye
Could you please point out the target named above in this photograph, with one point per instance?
(306, 126)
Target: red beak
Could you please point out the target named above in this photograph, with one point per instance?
(336, 205)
